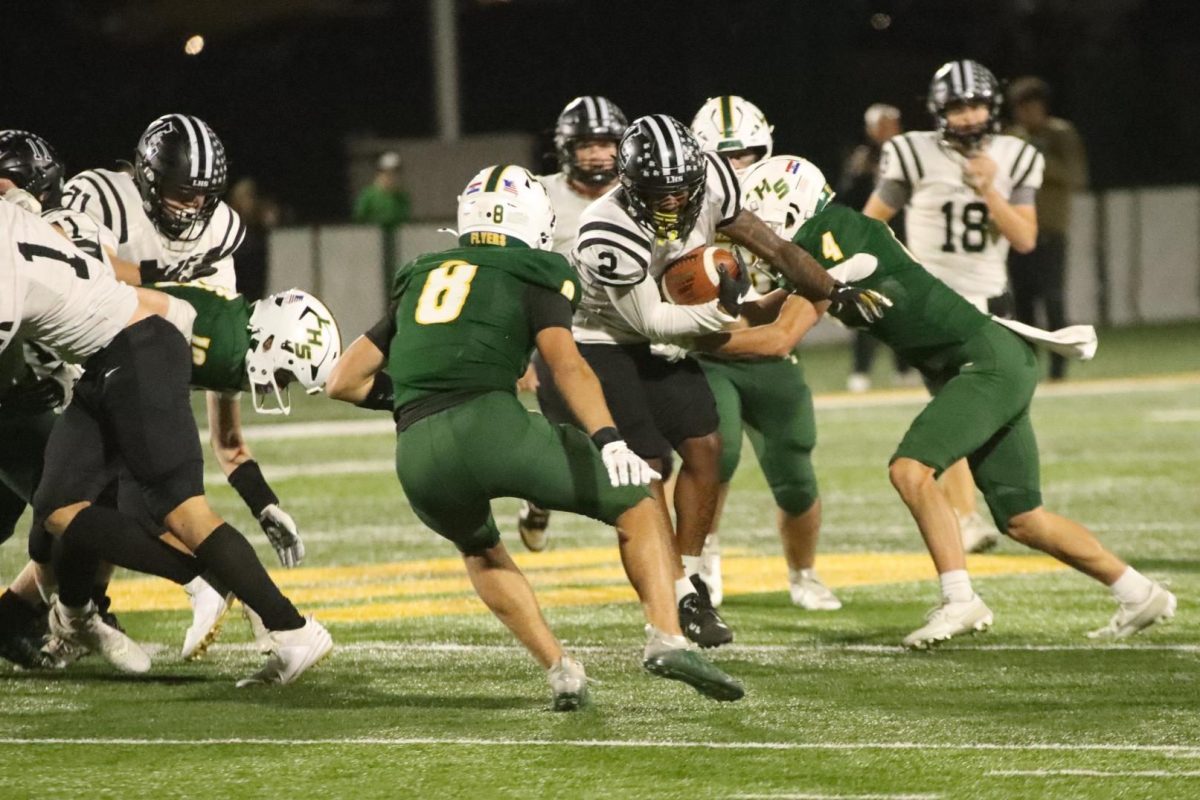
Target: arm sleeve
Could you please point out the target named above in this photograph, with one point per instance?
(545, 308)
(606, 254)
(895, 193)
(643, 308)
(382, 332)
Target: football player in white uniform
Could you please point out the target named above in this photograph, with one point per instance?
(170, 221)
(768, 393)
(672, 198)
(969, 195)
(129, 339)
(585, 140)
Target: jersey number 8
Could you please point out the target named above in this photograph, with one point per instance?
(445, 292)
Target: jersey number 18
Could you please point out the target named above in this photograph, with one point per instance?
(975, 227)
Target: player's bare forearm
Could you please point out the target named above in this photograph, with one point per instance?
(802, 271)
(126, 271)
(1018, 224)
(876, 208)
(575, 380)
(765, 309)
(225, 430)
(776, 339)
(355, 371)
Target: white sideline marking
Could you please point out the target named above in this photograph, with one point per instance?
(1176, 415)
(810, 796)
(373, 741)
(1088, 773)
(317, 469)
(899, 397)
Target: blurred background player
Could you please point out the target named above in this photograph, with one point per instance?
(459, 333)
(970, 194)
(585, 142)
(860, 173)
(1038, 278)
(766, 396)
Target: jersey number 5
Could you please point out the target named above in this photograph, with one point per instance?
(445, 291)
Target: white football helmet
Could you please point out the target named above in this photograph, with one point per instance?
(784, 192)
(506, 200)
(729, 123)
(293, 337)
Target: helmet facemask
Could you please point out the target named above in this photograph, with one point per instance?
(180, 160)
(959, 84)
(587, 118)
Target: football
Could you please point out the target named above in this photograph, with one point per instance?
(692, 278)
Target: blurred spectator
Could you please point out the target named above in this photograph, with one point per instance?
(384, 202)
(857, 181)
(260, 215)
(1038, 278)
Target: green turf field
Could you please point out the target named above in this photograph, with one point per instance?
(426, 696)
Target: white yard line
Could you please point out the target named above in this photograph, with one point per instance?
(1175, 415)
(812, 796)
(1089, 773)
(375, 741)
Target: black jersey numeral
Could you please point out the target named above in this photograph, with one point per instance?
(31, 250)
(975, 227)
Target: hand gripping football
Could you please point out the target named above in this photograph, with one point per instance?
(692, 278)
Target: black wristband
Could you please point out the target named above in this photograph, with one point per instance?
(606, 436)
(248, 481)
(382, 395)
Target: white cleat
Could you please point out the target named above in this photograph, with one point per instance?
(949, 620)
(291, 653)
(809, 593)
(262, 636)
(209, 608)
(531, 524)
(1158, 606)
(978, 535)
(568, 684)
(710, 569)
(83, 627)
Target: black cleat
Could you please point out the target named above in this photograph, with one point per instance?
(700, 621)
(531, 524)
(25, 652)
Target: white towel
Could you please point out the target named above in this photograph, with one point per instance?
(1074, 341)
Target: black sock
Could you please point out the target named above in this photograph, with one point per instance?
(75, 566)
(120, 539)
(232, 560)
(16, 615)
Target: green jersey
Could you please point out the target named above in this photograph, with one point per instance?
(220, 335)
(927, 320)
(464, 319)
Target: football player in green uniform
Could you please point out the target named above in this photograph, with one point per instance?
(983, 376)
(459, 334)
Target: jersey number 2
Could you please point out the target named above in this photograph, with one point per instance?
(445, 292)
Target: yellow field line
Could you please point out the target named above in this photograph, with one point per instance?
(589, 576)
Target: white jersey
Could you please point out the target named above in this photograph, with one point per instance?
(614, 256)
(946, 221)
(112, 199)
(568, 207)
(88, 235)
(54, 294)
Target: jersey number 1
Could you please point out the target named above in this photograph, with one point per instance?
(975, 225)
(445, 291)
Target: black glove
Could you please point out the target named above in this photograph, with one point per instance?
(868, 304)
(730, 291)
(44, 395)
(183, 272)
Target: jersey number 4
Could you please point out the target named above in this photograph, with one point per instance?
(445, 292)
(975, 227)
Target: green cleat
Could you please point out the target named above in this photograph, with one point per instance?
(696, 671)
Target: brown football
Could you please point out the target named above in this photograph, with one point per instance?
(692, 278)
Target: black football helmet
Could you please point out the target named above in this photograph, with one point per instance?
(180, 158)
(964, 82)
(658, 157)
(587, 117)
(32, 164)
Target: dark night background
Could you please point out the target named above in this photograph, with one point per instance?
(285, 81)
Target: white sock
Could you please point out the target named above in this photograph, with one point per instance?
(691, 565)
(797, 575)
(1132, 587)
(956, 586)
(683, 587)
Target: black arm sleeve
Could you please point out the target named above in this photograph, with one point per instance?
(381, 333)
(546, 308)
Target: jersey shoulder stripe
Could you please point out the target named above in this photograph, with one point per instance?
(232, 234)
(731, 201)
(634, 239)
(912, 149)
(1037, 161)
(95, 192)
(1012, 173)
(895, 148)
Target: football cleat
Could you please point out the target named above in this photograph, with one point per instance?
(209, 608)
(809, 593)
(978, 535)
(25, 652)
(710, 569)
(531, 524)
(568, 684)
(291, 653)
(83, 627)
(949, 620)
(262, 636)
(671, 657)
(1158, 606)
(700, 621)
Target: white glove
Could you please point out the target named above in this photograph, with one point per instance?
(670, 352)
(283, 534)
(625, 467)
